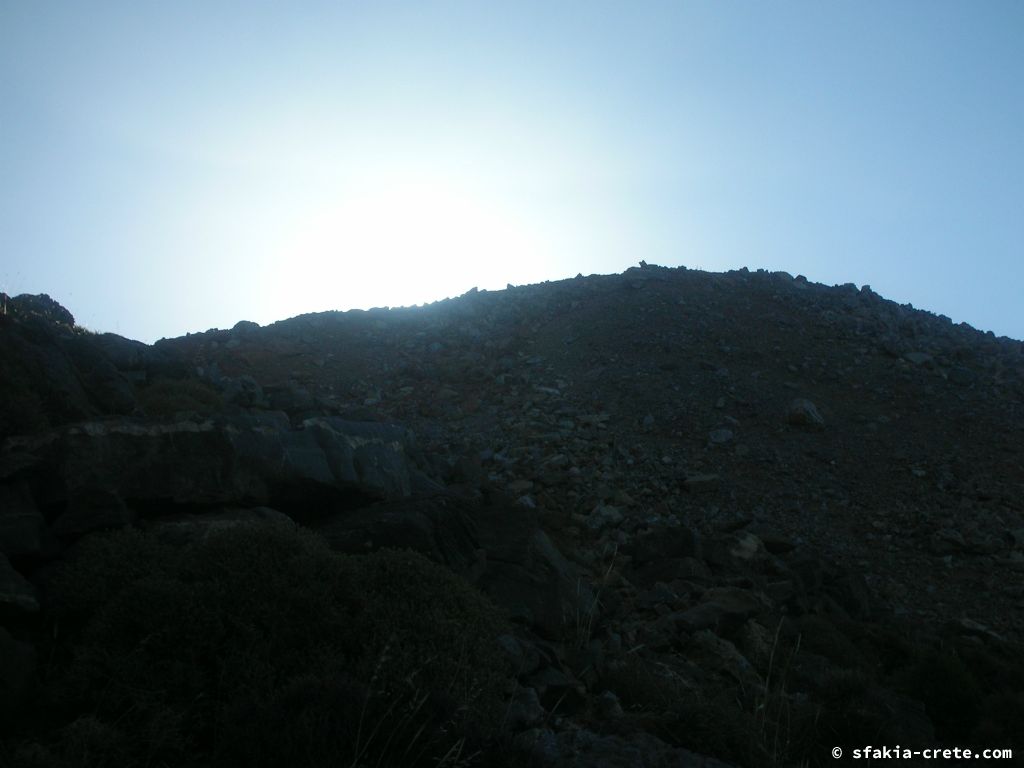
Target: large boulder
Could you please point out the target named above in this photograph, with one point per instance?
(40, 308)
(529, 576)
(138, 361)
(492, 543)
(107, 387)
(246, 460)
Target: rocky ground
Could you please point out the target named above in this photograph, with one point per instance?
(739, 516)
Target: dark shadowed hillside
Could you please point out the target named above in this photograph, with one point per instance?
(683, 519)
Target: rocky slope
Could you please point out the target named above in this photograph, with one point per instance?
(735, 515)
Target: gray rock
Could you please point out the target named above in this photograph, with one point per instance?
(709, 651)
(947, 541)
(528, 576)
(557, 690)
(255, 459)
(133, 357)
(664, 542)
(38, 374)
(40, 307)
(723, 610)
(720, 436)
(244, 391)
(523, 656)
(700, 482)
(803, 413)
(608, 706)
(108, 388)
(774, 541)
(15, 591)
(603, 516)
(524, 711)
(292, 398)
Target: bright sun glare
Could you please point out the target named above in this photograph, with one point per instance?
(408, 240)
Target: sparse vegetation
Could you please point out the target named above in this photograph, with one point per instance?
(260, 647)
(165, 398)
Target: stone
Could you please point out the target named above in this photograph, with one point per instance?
(700, 482)
(741, 551)
(139, 362)
(774, 541)
(803, 413)
(947, 541)
(107, 388)
(522, 655)
(557, 690)
(524, 710)
(709, 651)
(40, 385)
(244, 391)
(603, 516)
(253, 459)
(723, 610)
(720, 436)
(664, 542)
(853, 595)
(608, 706)
(519, 487)
(291, 398)
(41, 307)
(527, 574)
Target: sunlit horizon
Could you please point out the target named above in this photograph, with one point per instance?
(177, 168)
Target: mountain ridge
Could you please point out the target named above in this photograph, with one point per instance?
(658, 470)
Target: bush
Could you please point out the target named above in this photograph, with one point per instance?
(260, 647)
(678, 715)
(164, 398)
(22, 411)
(950, 693)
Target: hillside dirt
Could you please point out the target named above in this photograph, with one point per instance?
(733, 519)
(666, 392)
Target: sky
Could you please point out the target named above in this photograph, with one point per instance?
(174, 167)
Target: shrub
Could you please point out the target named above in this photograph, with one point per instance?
(259, 646)
(950, 693)
(164, 398)
(102, 566)
(681, 717)
(22, 411)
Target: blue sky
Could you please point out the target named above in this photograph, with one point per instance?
(172, 167)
